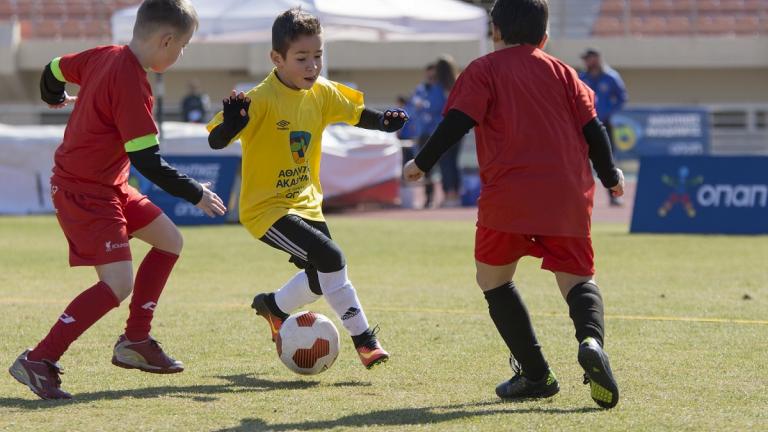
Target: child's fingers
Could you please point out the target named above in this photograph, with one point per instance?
(243, 112)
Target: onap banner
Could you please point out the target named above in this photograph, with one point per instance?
(660, 132)
(220, 171)
(701, 194)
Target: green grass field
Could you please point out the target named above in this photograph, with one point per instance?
(689, 351)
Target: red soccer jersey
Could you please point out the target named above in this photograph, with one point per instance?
(529, 108)
(114, 106)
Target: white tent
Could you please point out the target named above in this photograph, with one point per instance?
(354, 160)
(367, 20)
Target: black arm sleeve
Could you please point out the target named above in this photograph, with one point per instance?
(220, 137)
(370, 119)
(451, 129)
(51, 89)
(155, 169)
(600, 152)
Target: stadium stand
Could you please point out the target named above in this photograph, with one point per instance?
(89, 19)
(63, 19)
(681, 17)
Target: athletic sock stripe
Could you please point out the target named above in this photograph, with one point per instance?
(288, 241)
(270, 235)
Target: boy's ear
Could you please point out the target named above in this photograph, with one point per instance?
(276, 57)
(543, 41)
(165, 40)
(495, 33)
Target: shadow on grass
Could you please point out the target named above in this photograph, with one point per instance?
(240, 383)
(408, 416)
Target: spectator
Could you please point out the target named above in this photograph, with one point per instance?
(445, 77)
(427, 101)
(610, 94)
(195, 105)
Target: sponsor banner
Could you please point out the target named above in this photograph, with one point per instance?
(700, 194)
(660, 132)
(220, 171)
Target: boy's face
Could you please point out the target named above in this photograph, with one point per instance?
(302, 63)
(170, 46)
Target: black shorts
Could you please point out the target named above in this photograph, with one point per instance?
(308, 242)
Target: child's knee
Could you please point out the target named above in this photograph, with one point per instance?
(120, 287)
(484, 282)
(174, 242)
(328, 259)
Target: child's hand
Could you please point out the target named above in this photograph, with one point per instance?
(236, 111)
(618, 190)
(67, 100)
(394, 119)
(210, 203)
(411, 172)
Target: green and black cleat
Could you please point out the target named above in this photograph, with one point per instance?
(521, 387)
(597, 373)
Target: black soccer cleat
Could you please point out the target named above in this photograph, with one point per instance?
(597, 373)
(521, 387)
(259, 304)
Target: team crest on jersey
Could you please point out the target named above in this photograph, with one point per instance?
(299, 145)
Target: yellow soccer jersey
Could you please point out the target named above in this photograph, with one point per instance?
(282, 148)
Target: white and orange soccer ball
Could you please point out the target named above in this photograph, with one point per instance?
(308, 343)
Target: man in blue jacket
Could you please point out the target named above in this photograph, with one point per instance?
(610, 93)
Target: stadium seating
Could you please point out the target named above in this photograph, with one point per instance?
(681, 17)
(89, 19)
(63, 19)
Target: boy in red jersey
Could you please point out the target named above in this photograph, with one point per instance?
(536, 130)
(110, 129)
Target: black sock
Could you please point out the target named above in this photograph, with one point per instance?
(272, 305)
(508, 312)
(362, 338)
(585, 307)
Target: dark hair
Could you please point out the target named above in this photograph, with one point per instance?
(445, 72)
(521, 21)
(153, 14)
(291, 24)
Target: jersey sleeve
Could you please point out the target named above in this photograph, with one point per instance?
(71, 67)
(132, 110)
(472, 92)
(341, 104)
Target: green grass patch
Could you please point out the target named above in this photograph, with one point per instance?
(676, 370)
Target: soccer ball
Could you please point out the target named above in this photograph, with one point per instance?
(308, 343)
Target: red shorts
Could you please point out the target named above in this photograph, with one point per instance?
(561, 254)
(97, 225)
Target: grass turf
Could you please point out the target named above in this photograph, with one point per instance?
(687, 346)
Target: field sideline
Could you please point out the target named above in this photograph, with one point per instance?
(687, 325)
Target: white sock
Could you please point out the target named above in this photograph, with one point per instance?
(295, 293)
(341, 295)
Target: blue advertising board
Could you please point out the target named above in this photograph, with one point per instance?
(660, 132)
(220, 171)
(701, 194)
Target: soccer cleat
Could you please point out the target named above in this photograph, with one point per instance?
(260, 305)
(597, 373)
(41, 377)
(371, 353)
(521, 387)
(145, 355)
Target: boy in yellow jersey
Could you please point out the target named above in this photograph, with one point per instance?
(280, 124)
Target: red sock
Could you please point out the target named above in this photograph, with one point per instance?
(150, 280)
(83, 312)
